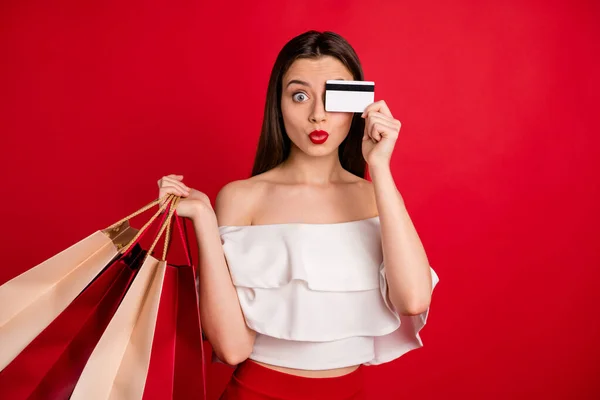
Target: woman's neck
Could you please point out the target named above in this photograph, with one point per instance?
(301, 168)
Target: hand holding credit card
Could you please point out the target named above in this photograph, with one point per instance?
(348, 96)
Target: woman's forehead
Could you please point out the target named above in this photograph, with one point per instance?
(317, 70)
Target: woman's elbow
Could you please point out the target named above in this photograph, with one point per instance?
(233, 359)
(411, 308)
(233, 355)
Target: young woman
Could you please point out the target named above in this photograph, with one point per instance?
(307, 270)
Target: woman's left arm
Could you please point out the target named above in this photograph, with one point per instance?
(406, 265)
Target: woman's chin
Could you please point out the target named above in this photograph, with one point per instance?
(320, 150)
(317, 149)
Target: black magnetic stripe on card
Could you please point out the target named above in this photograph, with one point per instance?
(350, 88)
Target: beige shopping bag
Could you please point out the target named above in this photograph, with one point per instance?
(32, 300)
(118, 366)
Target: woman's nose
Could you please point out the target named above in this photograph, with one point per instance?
(318, 113)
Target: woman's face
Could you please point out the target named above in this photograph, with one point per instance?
(303, 105)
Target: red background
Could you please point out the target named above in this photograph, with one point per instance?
(497, 159)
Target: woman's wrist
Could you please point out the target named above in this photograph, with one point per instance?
(203, 214)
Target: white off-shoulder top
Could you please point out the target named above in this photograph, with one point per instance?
(316, 294)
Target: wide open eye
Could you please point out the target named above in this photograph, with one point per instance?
(299, 97)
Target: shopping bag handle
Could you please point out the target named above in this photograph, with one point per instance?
(171, 204)
(123, 248)
(143, 209)
(144, 229)
(184, 240)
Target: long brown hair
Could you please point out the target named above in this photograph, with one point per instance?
(274, 144)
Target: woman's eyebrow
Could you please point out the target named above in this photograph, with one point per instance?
(298, 82)
(306, 83)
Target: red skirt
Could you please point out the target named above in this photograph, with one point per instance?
(252, 381)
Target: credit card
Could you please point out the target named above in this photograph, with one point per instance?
(348, 96)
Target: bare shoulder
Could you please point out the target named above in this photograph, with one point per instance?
(237, 200)
(364, 190)
(365, 186)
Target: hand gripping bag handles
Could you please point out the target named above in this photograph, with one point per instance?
(51, 362)
(152, 348)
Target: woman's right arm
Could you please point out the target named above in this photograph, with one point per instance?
(223, 322)
(222, 318)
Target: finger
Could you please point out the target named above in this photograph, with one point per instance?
(369, 131)
(379, 130)
(368, 109)
(367, 136)
(379, 125)
(173, 182)
(383, 108)
(384, 119)
(374, 131)
(380, 106)
(173, 190)
(381, 115)
(172, 176)
(181, 190)
(389, 120)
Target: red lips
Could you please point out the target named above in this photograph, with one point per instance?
(318, 137)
